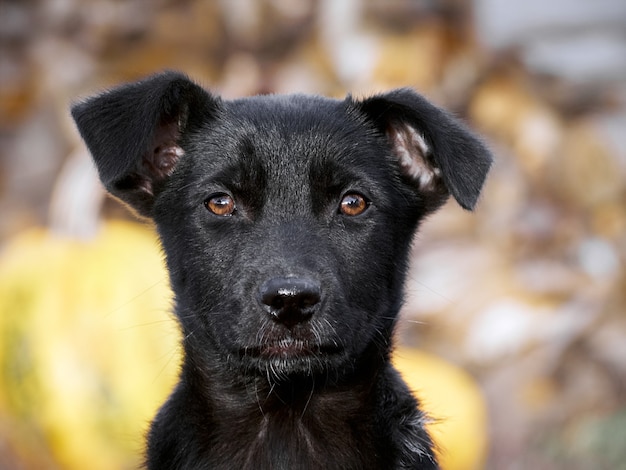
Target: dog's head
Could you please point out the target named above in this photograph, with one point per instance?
(286, 220)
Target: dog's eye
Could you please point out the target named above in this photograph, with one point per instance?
(353, 204)
(220, 204)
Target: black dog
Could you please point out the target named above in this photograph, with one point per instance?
(286, 222)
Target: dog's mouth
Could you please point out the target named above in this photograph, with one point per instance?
(289, 348)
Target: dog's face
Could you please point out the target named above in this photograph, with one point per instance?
(283, 225)
(286, 221)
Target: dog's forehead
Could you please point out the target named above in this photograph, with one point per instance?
(276, 107)
(284, 131)
(291, 119)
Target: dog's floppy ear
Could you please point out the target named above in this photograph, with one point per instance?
(133, 133)
(434, 149)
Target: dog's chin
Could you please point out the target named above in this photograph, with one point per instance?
(285, 358)
(287, 349)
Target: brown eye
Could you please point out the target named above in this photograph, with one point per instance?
(353, 204)
(220, 204)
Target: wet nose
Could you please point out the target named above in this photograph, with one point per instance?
(290, 300)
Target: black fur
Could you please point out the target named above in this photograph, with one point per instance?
(287, 304)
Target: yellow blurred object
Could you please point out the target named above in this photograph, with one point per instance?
(88, 349)
(455, 403)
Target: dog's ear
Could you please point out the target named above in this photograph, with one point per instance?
(134, 131)
(435, 150)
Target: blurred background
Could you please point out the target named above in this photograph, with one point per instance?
(527, 295)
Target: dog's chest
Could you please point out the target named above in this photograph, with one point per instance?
(303, 439)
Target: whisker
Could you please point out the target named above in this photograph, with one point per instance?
(134, 298)
(306, 405)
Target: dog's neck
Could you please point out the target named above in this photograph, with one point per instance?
(297, 405)
(242, 416)
(291, 397)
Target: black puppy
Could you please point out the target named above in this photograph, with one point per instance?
(286, 222)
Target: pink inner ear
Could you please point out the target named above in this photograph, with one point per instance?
(164, 159)
(159, 162)
(413, 155)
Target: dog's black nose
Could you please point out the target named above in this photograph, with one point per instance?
(290, 300)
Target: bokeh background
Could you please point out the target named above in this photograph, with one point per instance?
(527, 294)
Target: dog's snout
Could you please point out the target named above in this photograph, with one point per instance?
(290, 300)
